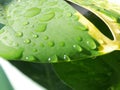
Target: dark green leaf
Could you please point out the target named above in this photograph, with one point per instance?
(43, 74)
(100, 73)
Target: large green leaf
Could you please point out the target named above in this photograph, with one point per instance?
(101, 73)
(48, 31)
(52, 31)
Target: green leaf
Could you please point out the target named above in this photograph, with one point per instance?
(101, 73)
(4, 82)
(43, 74)
(108, 12)
(45, 32)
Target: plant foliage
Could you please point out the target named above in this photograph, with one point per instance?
(62, 46)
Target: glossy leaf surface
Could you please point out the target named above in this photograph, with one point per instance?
(33, 35)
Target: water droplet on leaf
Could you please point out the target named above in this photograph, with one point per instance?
(79, 38)
(10, 53)
(67, 58)
(46, 38)
(53, 59)
(78, 48)
(51, 43)
(25, 23)
(31, 58)
(91, 44)
(35, 36)
(27, 41)
(75, 17)
(62, 44)
(41, 45)
(32, 12)
(69, 14)
(47, 17)
(18, 34)
(41, 28)
(35, 50)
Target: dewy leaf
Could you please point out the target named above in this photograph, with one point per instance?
(49, 31)
(40, 33)
(109, 13)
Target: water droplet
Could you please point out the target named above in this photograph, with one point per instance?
(67, 58)
(118, 20)
(32, 12)
(31, 58)
(69, 14)
(62, 44)
(51, 43)
(41, 28)
(76, 17)
(47, 17)
(2, 31)
(53, 59)
(78, 48)
(35, 50)
(10, 53)
(91, 44)
(26, 23)
(46, 38)
(27, 41)
(41, 45)
(35, 36)
(79, 38)
(18, 34)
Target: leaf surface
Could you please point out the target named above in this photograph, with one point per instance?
(30, 31)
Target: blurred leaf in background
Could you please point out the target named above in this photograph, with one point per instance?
(101, 73)
(42, 73)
